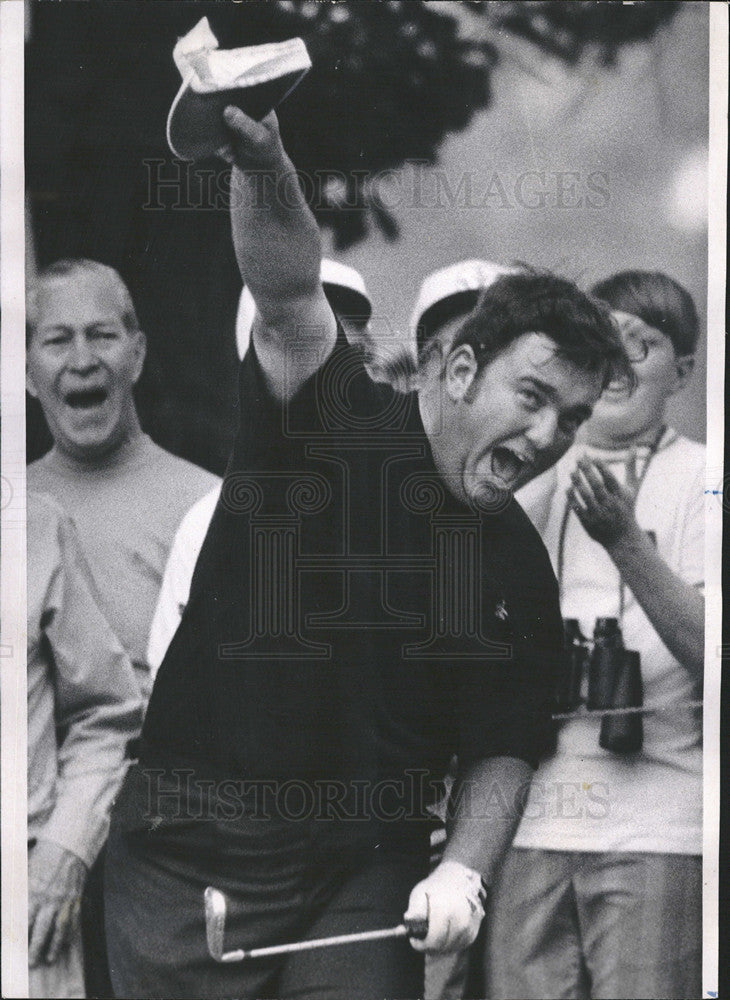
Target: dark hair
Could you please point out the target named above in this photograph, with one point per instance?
(656, 299)
(540, 302)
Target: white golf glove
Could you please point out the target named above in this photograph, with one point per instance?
(452, 899)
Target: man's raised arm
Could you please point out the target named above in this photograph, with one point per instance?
(278, 248)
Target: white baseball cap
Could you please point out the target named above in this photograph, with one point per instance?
(255, 78)
(345, 290)
(452, 291)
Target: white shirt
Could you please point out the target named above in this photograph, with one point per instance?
(178, 574)
(585, 798)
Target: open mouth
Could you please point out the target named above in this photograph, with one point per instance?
(617, 390)
(507, 464)
(86, 399)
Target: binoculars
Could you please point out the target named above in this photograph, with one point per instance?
(611, 675)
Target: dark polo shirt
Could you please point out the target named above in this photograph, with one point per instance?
(350, 620)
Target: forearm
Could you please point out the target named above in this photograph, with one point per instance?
(674, 608)
(91, 768)
(451, 898)
(80, 822)
(275, 235)
(278, 248)
(487, 806)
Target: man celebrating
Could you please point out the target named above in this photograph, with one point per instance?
(126, 494)
(368, 601)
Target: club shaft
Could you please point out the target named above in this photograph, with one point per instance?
(286, 949)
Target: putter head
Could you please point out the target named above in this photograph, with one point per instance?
(215, 921)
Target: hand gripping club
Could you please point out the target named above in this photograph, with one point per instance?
(215, 927)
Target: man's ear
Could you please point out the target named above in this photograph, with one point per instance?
(685, 366)
(140, 353)
(460, 372)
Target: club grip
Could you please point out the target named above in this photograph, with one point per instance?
(417, 927)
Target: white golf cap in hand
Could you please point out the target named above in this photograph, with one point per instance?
(256, 79)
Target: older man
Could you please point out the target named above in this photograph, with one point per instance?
(368, 601)
(127, 495)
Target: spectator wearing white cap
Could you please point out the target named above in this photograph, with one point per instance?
(449, 294)
(348, 296)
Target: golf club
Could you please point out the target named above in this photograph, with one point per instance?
(215, 926)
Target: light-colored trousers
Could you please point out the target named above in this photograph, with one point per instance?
(565, 925)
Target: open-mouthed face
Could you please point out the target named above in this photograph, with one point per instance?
(507, 423)
(625, 413)
(83, 363)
